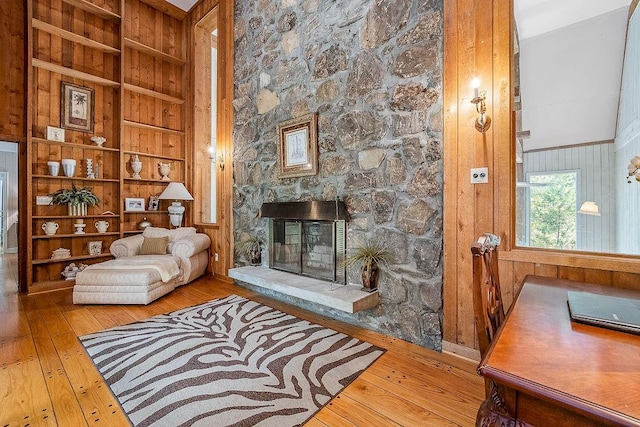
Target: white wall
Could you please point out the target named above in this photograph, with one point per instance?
(627, 143)
(9, 164)
(570, 82)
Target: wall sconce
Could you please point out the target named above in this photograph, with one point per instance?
(483, 122)
(633, 169)
(589, 208)
(212, 156)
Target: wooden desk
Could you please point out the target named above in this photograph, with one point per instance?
(561, 372)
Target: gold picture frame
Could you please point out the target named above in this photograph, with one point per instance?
(77, 107)
(298, 146)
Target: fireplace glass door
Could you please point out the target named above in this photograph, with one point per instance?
(307, 248)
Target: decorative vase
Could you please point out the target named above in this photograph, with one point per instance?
(69, 167)
(50, 228)
(256, 257)
(136, 167)
(164, 168)
(99, 140)
(54, 168)
(144, 224)
(89, 168)
(370, 278)
(77, 209)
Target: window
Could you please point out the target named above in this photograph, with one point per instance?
(550, 212)
(206, 118)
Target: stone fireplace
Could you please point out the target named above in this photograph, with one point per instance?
(307, 248)
(308, 238)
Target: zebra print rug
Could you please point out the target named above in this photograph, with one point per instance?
(227, 362)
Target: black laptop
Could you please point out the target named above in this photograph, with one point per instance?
(621, 314)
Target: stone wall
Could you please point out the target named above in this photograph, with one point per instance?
(372, 70)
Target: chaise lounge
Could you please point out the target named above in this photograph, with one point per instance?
(145, 267)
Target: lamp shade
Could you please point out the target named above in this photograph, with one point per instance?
(589, 208)
(175, 191)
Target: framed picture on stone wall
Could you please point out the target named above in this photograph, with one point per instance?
(298, 146)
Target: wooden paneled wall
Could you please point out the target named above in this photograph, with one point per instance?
(12, 72)
(221, 233)
(478, 44)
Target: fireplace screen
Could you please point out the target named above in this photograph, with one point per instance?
(310, 248)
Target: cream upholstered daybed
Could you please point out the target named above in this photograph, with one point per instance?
(145, 267)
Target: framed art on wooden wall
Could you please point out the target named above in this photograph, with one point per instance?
(298, 146)
(154, 203)
(77, 107)
(133, 204)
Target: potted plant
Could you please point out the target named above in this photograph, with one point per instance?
(77, 199)
(251, 248)
(369, 256)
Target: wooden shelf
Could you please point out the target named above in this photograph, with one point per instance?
(73, 258)
(73, 217)
(152, 93)
(43, 236)
(146, 212)
(75, 178)
(152, 127)
(74, 145)
(153, 52)
(118, 52)
(38, 63)
(50, 285)
(96, 10)
(148, 181)
(73, 37)
(155, 156)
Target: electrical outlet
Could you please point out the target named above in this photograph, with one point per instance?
(479, 175)
(215, 257)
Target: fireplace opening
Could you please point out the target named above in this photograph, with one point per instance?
(308, 239)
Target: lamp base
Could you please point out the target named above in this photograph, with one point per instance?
(176, 212)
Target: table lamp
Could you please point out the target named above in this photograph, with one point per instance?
(176, 191)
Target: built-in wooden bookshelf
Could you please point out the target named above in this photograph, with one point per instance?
(131, 56)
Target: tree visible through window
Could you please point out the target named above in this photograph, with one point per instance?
(552, 210)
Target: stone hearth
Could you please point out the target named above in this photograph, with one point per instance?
(348, 298)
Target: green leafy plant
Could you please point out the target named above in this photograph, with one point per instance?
(75, 196)
(250, 247)
(369, 254)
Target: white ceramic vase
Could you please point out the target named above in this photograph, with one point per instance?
(165, 169)
(69, 167)
(136, 167)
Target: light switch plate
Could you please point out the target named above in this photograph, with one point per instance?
(479, 175)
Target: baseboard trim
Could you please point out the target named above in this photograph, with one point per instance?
(470, 354)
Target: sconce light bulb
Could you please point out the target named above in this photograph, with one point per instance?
(475, 84)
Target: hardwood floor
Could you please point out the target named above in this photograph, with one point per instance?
(47, 379)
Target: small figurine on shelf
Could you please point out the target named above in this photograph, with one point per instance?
(98, 140)
(144, 224)
(165, 169)
(61, 253)
(89, 163)
(70, 271)
(136, 167)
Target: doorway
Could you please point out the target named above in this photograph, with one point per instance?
(9, 214)
(8, 197)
